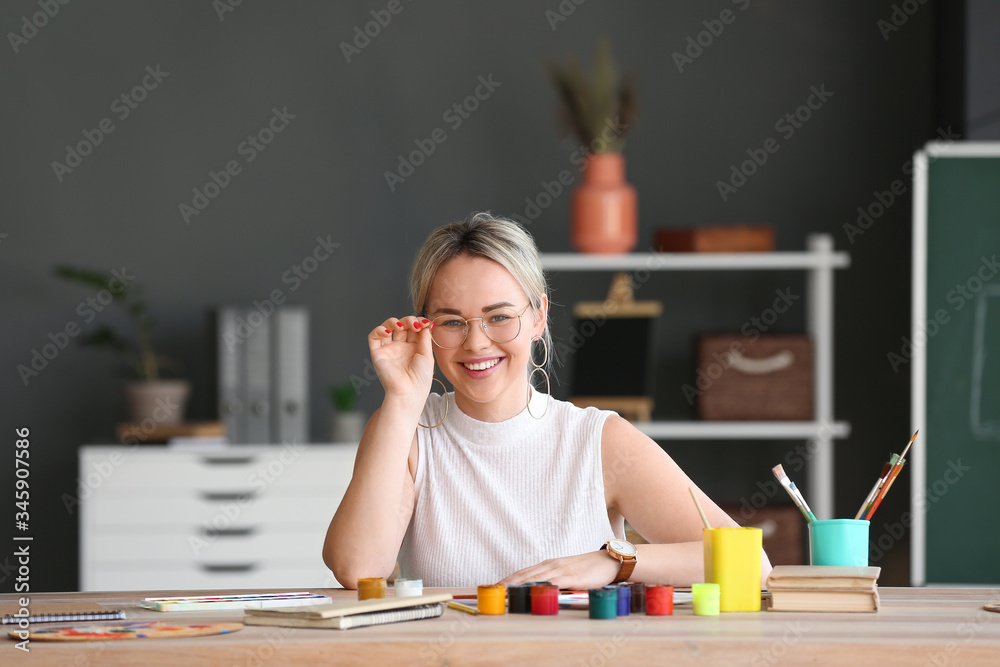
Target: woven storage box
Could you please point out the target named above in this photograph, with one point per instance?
(770, 378)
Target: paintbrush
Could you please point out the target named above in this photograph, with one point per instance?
(893, 474)
(704, 519)
(878, 485)
(793, 491)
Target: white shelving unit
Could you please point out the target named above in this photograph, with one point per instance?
(819, 260)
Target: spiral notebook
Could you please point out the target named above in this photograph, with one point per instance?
(55, 612)
(346, 614)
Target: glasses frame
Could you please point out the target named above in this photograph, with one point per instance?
(482, 324)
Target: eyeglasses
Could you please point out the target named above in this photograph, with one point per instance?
(501, 325)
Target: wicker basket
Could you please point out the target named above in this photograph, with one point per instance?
(770, 378)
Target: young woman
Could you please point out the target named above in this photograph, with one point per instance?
(495, 481)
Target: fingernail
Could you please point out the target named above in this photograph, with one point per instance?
(432, 326)
(416, 325)
(425, 321)
(388, 331)
(399, 324)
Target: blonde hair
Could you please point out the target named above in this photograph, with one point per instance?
(481, 234)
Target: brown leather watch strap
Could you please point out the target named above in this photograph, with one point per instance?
(628, 564)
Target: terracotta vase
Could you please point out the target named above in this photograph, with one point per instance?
(604, 207)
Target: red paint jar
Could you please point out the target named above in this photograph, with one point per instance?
(659, 600)
(545, 599)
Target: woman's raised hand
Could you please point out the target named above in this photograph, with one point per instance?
(402, 356)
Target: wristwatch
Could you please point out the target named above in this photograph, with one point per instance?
(624, 552)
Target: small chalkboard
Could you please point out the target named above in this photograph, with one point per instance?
(615, 348)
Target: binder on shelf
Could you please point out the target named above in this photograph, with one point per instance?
(263, 374)
(290, 396)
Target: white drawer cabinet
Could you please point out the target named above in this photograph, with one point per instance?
(250, 516)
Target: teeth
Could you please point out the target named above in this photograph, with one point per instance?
(482, 365)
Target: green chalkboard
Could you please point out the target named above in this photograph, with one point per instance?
(956, 344)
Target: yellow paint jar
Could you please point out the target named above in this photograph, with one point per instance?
(371, 587)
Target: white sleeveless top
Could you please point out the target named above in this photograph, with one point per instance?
(492, 498)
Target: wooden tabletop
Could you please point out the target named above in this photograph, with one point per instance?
(921, 626)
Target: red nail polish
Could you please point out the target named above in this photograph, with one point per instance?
(399, 324)
(432, 326)
(425, 321)
(388, 331)
(416, 325)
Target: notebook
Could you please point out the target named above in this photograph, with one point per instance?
(245, 601)
(823, 588)
(52, 612)
(346, 614)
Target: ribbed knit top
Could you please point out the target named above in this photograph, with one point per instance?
(492, 498)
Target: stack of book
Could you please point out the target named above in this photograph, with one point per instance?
(823, 588)
(347, 614)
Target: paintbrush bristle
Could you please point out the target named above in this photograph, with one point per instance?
(779, 472)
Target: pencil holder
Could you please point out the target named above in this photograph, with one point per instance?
(732, 560)
(839, 542)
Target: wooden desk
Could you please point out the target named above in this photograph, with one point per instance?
(917, 626)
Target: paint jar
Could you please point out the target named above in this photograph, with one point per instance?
(706, 599)
(732, 560)
(839, 542)
(544, 599)
(638, 597)
(408, 588)
(624, 599)
(519, 599)
(604, 602)
(659, 600)
(371, 587)
(492, 599)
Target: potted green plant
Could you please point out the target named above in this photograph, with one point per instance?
(149, 396)
(599, 110)
(346, 423)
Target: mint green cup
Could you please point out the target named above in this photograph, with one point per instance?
(839, 542)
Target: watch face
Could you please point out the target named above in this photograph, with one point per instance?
(622, 547)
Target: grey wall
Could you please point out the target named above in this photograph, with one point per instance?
(323, 176)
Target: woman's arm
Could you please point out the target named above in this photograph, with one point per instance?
(365, 534)
(644, 485)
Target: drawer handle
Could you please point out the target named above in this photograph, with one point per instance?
(227, 460)
(772, 364)
(236, 496)
(228, 532)
(217, 568)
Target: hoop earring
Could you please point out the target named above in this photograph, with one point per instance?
(445, 405)
(539, 368)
